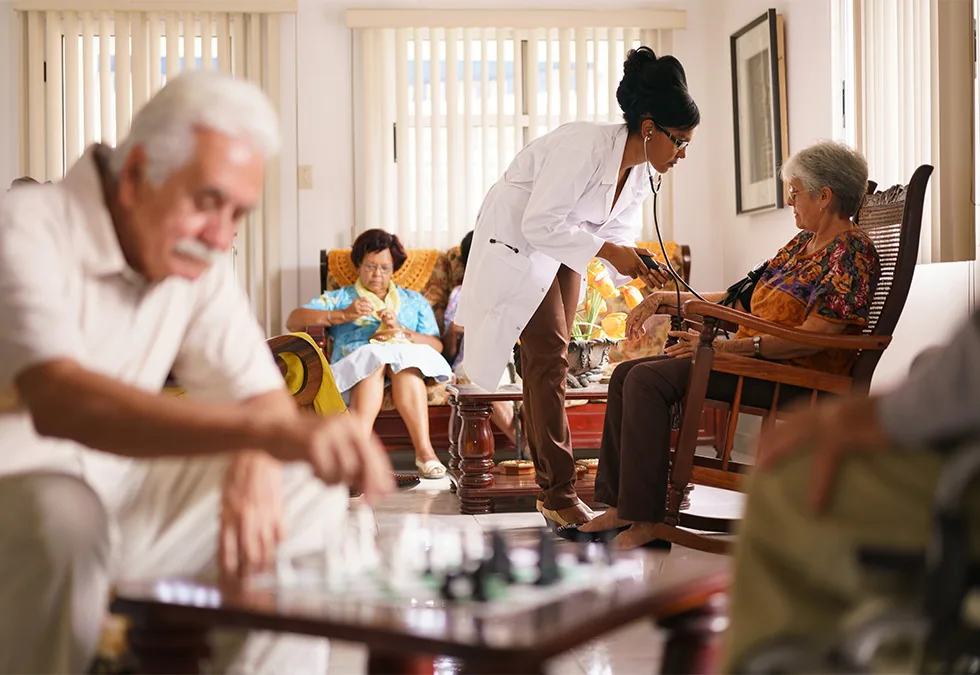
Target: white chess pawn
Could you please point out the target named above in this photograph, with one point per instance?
(367, 538)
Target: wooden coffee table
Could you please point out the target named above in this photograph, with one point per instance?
(682, 592)
(475, 479)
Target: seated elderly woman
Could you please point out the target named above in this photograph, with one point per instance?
(823, 281)
(382, 334)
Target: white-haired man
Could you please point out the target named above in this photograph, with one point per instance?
(107, 283)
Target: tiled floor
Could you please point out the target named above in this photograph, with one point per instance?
(634, 649)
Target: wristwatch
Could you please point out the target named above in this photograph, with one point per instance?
(757, 346)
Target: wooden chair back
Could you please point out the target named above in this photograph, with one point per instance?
(892, 219)
(312, 366)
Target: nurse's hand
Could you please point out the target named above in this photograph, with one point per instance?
(627, 262)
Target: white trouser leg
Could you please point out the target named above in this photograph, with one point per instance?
(54, 560)
(170, 528)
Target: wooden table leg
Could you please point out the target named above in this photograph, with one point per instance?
(160, 647)
(694, 641)
(454, 426)
(476, 458)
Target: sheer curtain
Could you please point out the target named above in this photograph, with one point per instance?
(443, 108)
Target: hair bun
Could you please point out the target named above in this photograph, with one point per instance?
(656, 87)
(638, 61)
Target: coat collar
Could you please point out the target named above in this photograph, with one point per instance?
(616, 144)
(610, 172)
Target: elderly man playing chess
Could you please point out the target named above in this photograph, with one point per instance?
(108, 282)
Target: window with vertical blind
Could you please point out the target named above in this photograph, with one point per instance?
(911, 86)
(86, 71)
(442, 111)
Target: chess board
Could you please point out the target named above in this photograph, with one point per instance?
(425, 568)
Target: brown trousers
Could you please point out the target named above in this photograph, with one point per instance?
(635, 454)
(544, 363)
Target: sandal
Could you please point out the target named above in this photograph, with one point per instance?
(432, 468)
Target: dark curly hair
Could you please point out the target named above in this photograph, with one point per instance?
(655, 88)
(375, 241)
(465, 246)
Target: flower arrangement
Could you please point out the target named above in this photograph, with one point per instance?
(593, 322)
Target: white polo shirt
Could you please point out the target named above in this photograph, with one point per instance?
(66, 291)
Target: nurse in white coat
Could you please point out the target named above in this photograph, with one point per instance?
(569, 196)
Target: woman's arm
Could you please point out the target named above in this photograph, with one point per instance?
(423, 339)
(302, 317)
(778, 349)
(450, 341)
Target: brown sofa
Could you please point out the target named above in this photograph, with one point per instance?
(434, 274)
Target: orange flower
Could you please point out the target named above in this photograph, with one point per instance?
(614, 325)
(632, 296)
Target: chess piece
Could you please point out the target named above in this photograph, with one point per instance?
(500, 557)
(548, 572)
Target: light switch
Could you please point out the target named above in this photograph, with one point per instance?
(304, 177)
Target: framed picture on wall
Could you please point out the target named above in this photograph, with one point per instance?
(759, 105)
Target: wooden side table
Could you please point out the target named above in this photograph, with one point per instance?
(471, 447)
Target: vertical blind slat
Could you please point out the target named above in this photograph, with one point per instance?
(73, 119)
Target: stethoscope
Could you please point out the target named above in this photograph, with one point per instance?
(655, 188)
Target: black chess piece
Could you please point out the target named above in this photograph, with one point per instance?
(481, 579)
(548, 572)
(500, 557)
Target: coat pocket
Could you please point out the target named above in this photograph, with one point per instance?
(505, 253)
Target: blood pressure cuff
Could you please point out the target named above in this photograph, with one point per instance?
(740, 293)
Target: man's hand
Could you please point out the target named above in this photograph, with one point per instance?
(830, 432)
(355, 310)
(627, 261)
(455, 328)
(251, 523)
(638, 316)
(339, 449)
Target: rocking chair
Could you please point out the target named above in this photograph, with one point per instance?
(892, 220)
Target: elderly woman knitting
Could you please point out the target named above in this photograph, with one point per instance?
(382, 334)
(823, 280)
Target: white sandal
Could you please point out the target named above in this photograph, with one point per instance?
(432, 468)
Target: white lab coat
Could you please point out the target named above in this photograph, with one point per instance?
(553, 206)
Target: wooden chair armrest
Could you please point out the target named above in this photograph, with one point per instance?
(708, 309)
(319, 335)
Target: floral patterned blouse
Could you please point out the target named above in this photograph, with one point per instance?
(837, 284)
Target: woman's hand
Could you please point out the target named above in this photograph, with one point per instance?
(638, 316)
(355, 310)
(389, 319)
(627, 261)
(687, 343)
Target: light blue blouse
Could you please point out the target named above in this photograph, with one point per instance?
(415, 314)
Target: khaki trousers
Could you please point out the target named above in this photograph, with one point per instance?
(544, 364)
(797, 574)
(62, 550)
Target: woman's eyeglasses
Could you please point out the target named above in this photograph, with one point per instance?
(371, 268)
(679, 143)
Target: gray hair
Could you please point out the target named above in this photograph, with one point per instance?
(833, 165)
(165, 127)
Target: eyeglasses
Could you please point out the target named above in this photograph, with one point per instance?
(679, 143)
(371, 268)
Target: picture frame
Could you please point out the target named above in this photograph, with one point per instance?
(759, 109)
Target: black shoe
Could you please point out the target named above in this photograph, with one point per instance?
(573, 533)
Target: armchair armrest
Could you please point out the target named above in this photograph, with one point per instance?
(719, 312)
(319, 335)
